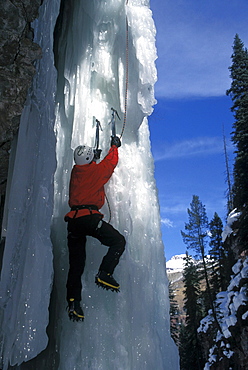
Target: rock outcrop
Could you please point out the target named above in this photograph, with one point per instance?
(17, 57)
(18, 53)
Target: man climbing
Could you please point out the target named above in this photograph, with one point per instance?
(86, 197)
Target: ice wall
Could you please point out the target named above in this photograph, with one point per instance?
(128, 330)
(27, 272)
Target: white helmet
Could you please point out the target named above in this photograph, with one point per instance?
(83, 154)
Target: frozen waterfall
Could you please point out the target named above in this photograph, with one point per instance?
(96, 44)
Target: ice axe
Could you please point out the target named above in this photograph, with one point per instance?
(97, 151)
(114, 115)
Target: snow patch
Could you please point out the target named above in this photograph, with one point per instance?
(232, 217)
(176, 263)
(227, 304)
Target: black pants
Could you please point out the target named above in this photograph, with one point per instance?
(78, 229)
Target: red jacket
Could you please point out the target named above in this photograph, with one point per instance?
(87, 183)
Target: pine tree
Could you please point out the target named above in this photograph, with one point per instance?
(217, 255)
(196, 235)
(196, 229)
(196, 238)
(228, 177)
(239, 96)
(174, 315)
(192, 291)
(222, 259)
(190, 348)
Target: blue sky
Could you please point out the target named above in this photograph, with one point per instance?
(194, 44)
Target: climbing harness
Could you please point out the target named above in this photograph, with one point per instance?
(90, 207)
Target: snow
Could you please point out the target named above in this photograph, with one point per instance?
(128, 330)
(176, 263)
(232, 217)
(235, 281)
(206, 322)
(245, 316)
(237, 267)
(244, 272)
(240, 298)
(227, 305)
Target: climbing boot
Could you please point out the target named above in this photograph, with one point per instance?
(106, 281)
(75, 311)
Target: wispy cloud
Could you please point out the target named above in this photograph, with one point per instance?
(192, 147)
(194, 42)
(167, 222)
(174, 209)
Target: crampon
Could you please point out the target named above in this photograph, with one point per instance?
(74, 317)
(106, 281)
(75, 311)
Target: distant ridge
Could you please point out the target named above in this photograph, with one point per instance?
(175, 264)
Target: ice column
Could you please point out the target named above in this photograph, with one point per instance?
(27, 271)
(129, 330)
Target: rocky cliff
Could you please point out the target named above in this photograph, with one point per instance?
(17, 58)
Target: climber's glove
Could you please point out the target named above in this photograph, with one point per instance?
(115, 140)
(97, 154)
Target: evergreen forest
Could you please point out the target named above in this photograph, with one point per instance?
(213, 334)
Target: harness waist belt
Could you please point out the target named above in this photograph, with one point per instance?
(86, 206)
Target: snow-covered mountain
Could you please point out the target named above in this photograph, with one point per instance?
(175, 264)
(174, 269)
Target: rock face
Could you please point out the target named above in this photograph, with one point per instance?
(18, 53)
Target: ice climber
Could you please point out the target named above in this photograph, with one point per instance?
(86, 197)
